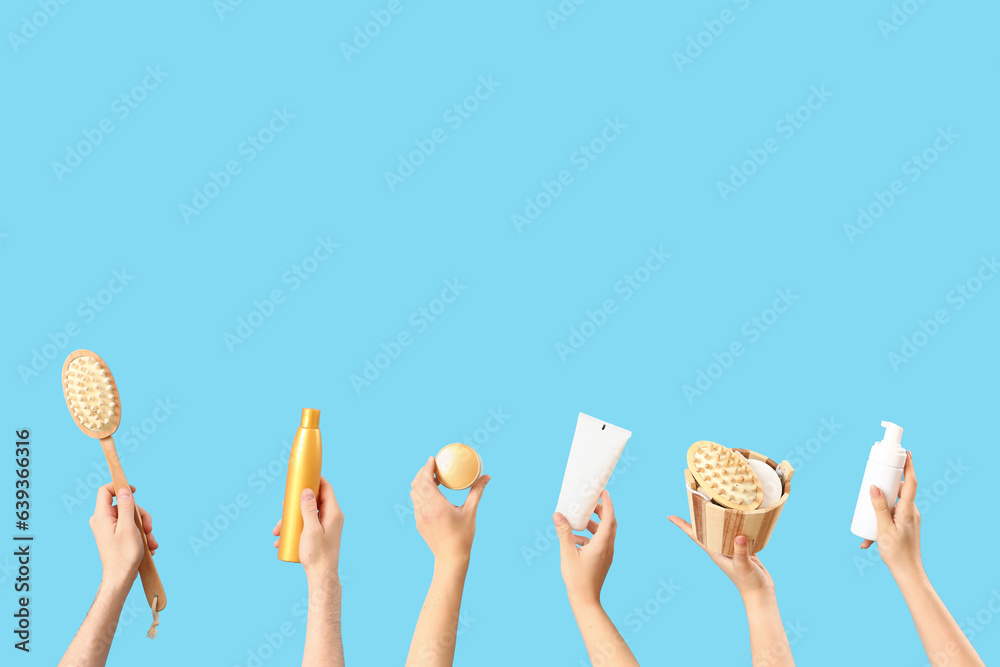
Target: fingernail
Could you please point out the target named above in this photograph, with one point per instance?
(741, 540)
(307, 494)
(558, 518)
(875, 491)
(124, 493)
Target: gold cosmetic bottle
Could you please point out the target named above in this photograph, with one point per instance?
(304, 464)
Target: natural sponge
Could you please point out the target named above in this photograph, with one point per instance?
(770, 482)
(724, 475)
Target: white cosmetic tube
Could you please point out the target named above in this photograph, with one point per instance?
(592, 460)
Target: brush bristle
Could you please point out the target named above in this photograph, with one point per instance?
(92, 396)
(725, 474)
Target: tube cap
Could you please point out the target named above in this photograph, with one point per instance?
(310, 418)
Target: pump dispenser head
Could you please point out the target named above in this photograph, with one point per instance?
(888, 451)
(893, 434)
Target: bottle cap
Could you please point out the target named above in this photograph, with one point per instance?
(893, 434)
(310, 418)
(888, 451)
(458, 466)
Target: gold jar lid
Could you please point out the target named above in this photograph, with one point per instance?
(458, 466)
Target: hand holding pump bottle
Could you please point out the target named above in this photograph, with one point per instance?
(884, 470)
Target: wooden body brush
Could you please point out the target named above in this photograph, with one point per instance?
(725, 475)
(93, 401)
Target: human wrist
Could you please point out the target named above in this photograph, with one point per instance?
(758, 598)
(323, 582)
(324, 593)
(114, 589)
(909, 575)
(580, 601)
(452, 563)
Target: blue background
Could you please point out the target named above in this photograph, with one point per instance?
(495, 346)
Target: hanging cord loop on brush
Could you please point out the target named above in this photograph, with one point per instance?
(156, 618)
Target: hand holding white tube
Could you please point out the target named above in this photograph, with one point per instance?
(585, 562)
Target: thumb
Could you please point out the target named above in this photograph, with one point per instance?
(126, 511)
(882, 513)
(566, 542)
(741, 554)
(310, 515)
(476, 494)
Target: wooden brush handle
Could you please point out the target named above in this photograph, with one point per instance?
(151, 584)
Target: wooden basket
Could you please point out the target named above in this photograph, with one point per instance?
(716, 527)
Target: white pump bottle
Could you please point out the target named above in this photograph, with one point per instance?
(884, 470)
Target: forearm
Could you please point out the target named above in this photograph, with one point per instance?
(324, 646)
(943, 639)
(604, 643)
(92, 642)
(433, 642)
(768, 641)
